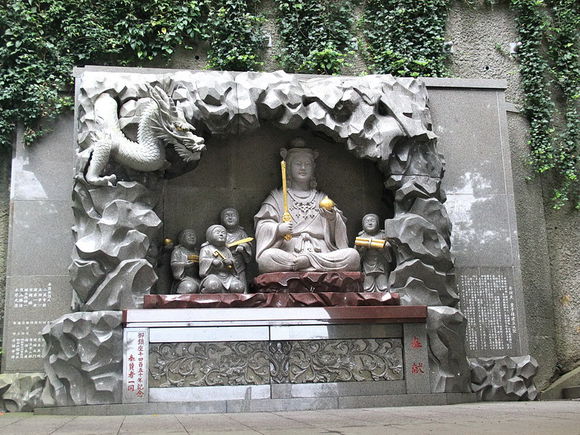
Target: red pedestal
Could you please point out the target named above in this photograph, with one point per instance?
(309, 282)
(271, 300)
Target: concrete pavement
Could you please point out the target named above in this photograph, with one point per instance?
(558, 417)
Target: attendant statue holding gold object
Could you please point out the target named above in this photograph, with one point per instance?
(216, 264)
(298, 228)
(184, 261)
(375, 254)
(238, 242)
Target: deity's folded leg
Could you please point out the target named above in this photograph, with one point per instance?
(275, 260)
(346, 259)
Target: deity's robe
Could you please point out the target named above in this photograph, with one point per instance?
(323, 241)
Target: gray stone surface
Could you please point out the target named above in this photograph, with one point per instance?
(21, 392)
(481, 207)
(217, 393)
(42, 231)
(83, 359)
(5, 160)
(481, 33)
(32, 302)
(117, 236)
(477, 418)
(44, 171)
(564, 242)
(447, 357)
(507, 378)
(337, 389)
(554, 391)
(39, 244)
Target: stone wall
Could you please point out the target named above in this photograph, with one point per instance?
(5, 164)
(481, 35)
(549, 245)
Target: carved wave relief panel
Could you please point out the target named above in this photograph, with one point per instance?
(345, 361)
(259, 363)
(208, 364)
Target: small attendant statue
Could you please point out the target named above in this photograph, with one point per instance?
(216, 264)
(184, 264)
(242, 252)
(375, 254)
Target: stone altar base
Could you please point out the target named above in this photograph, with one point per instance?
(259, 359)
(308, 282)
(273, 300)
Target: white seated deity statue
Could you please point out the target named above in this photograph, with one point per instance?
(315, 238)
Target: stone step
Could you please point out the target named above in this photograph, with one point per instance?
(571, 392)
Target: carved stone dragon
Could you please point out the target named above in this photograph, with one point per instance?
(160, 124)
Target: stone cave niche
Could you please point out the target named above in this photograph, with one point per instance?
(240, 171)
(244, 119)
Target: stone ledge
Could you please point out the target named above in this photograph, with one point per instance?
(162, 317)
(264, 405)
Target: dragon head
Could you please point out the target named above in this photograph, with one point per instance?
(173, 128)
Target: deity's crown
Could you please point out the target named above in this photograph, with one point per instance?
(296, 146)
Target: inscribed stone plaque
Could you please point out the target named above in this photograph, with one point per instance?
(416, 358)
(32, 302)
(488, 301)
(135, 365)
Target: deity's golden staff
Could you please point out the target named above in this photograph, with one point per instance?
(286, 217)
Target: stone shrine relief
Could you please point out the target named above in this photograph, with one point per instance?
(137, 130)
(179, 201)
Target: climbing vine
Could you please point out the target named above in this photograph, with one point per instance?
(405, 37)
(316, 35)
(235, 38)
(564, 50)
(44, 39)
(553, 148)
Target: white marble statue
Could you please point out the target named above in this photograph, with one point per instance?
(315, 238)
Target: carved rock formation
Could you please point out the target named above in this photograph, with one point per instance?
(116, 237)
(83, 359)
(447, 358)
(21, 392)
(504, 378)
(376, 117)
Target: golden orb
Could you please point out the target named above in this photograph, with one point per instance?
(167, 242)
(326, 203)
